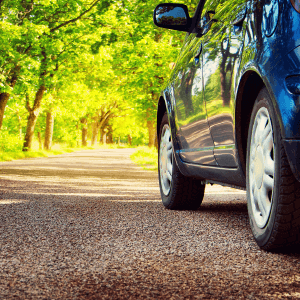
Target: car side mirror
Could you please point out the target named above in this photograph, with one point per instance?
(172, 16)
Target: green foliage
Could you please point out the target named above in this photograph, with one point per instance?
(146, 157)
(9, 143)
(94, 58)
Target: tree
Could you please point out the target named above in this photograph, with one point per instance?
(91, 55)
(47, 47)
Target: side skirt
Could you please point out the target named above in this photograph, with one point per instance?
(232, 177)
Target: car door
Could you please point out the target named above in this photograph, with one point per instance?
(193, 132)
(222, 46)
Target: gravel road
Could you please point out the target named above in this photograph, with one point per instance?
(90, 225)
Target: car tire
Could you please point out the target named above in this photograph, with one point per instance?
(273, 193)
(177, 191)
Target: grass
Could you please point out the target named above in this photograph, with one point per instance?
(56, 150)
(145, 157)
(13, 155)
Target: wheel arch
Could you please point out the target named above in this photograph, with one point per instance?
(250, 85)
(161, 109)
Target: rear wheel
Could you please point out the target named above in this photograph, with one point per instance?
(177, 191)
(273, 193)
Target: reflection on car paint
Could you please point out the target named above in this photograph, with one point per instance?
(270, 17)
(190, 109)
(204, 94)
(222, 47)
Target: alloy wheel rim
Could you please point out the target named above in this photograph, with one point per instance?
(262, 167)
(166, 160)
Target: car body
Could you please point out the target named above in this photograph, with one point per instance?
(239, 67)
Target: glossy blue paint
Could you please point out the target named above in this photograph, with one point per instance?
(293, 84)
(260, 39)
(270, 17)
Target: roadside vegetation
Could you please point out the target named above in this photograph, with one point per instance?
(145, 157)
(57, 149)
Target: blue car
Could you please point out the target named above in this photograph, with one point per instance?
(230, 113)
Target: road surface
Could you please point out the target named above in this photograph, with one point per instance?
(90, 225)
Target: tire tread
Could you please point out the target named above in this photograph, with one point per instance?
(186, 192)
(287, 220)
(283, 227)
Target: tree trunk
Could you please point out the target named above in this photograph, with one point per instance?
(95, 132)
(109, 135)
(5, 96)
(84, 136)
(109, 139)
(84, 132)
(31, 121)
(101, 122)
(225, 90)
(151, 131)
(33, 115)
(20, 125)
(3, 101)
(104, 130)
(129, 139)
(40, 141)
(104, 138)
(103, 134)
(49, 130)
(186, 91)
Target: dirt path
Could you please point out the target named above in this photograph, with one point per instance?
(90, 225)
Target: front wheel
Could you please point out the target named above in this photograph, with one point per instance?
(273, 193)
(177, 191)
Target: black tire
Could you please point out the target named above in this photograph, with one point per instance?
(180, 192)
(280, 226)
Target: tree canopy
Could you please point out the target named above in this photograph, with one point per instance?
(94, 69)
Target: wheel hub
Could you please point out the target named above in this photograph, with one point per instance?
(259, 166)
(165, 160)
